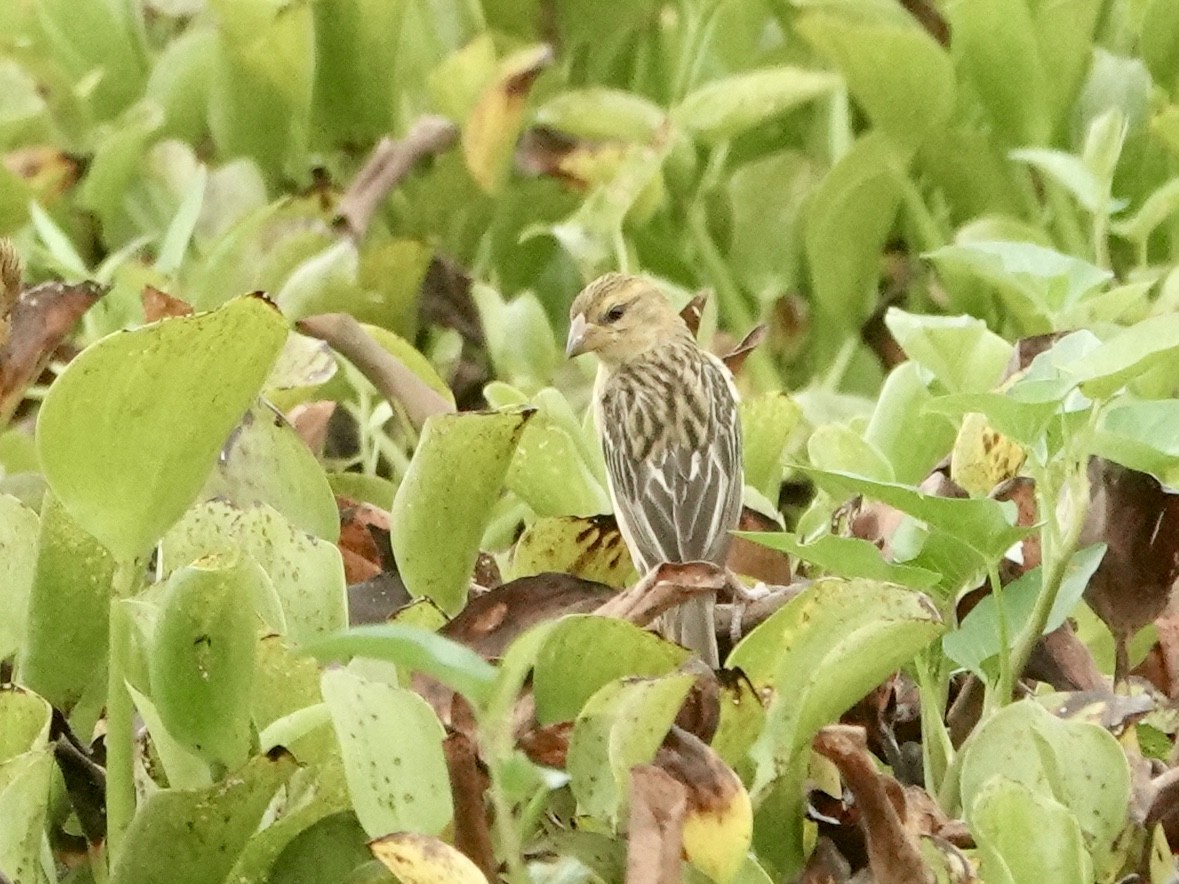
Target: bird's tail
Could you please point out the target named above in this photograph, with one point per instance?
(693, 625)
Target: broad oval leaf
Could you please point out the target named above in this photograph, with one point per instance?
(129, 432)
(18, 562)
(727, 107)
(420, 859)
(444, 502)
(399, 784)
(960, 351)
(202, 658)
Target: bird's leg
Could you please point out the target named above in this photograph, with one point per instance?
(742, 596)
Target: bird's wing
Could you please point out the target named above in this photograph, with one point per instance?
(674, 463)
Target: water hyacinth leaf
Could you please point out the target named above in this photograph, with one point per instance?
(1130, 353)
(194, 837)
(398, 785)
(489, 135)
(570, 667)
(850, 216)
(307, 573)
(982, 524)
(19, 527)
(1141, 435)
(265, 461)
(767, 423)
(960, 351)
(976, 640)
(729, 106)
(1070, 172)
(899, 74)
(184, 768)
(836, 447)
(982, 457)
(846, 556)
(202, 658)
(1035, 282)
(1076, 763)
(900, 428)
(419, 650)
(1162, 203)
(600, 113)
(621, 725)
(444, 502)
(69, 609)
(26, 774)
(1001, 815)
(419, 859)
(590, 548)
(995, 46)
(130, 430)
(823, 651)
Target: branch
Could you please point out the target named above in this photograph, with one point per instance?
(387, 373)
(389, 162)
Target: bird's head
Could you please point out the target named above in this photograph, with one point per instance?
(620, 317)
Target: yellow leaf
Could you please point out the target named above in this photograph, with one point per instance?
(420, 859)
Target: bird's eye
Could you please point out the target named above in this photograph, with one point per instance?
(615, 313)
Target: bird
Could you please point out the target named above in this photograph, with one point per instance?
(667, 416)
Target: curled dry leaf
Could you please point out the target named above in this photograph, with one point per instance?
(894, 855)
(661, 589)
(1138, 520)
(420, 859)
(468, 789)
(40, 321)
(1065, 662)
(310, 420)
(736, 357)
(693, 312)
(11, 276)
(655, 829)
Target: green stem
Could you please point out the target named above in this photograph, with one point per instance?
(120, 730)
(1064, 219)
(937, 750)
(1000, 693)
(1101, 239)
(929, 233)
(1058, 549)
(509, 836)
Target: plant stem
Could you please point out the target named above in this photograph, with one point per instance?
(505, 827)
(936, 748)
(929, 233)
(999, 694)
(120, 731)
(1064, 219)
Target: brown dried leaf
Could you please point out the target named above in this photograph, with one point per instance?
(159, 305)
(1138, 520)
(693, 312)
(41, 319)
(655, 827)
(490, 621)
(894, 855)
(660, 590)
(736, 357)
(468, 788)
(310, 421)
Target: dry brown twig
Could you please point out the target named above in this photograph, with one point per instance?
(387, 373)
(389, 162)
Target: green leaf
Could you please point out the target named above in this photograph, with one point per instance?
(995, 47)
(836, 447)
(845, 556)
(1158, 207)
(444, 502)
(899, 74)
(266, 462)
(823, 651)
(977, 640)
(1128, 354)
(1039, 285)
(180, 231)
(584, 547)
(900, 428)
(980, 524)
(570, 667)
(850, 216)
(194, 837)
(419, 650)
(19, 527)
(307, 574)
(398, 785)
(1158, 41)
(767, 423)
(1072, 173)
(601, 113)
(729, 106)
(621, 725)
(1076, 763)
(69, 610)
(130, 430)
(960, 351)
(1002, 815)
(1141, 435)
(202, 658)
(26, 776)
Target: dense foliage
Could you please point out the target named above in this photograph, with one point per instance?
(322, 585)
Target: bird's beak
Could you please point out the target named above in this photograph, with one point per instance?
(579, 331)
